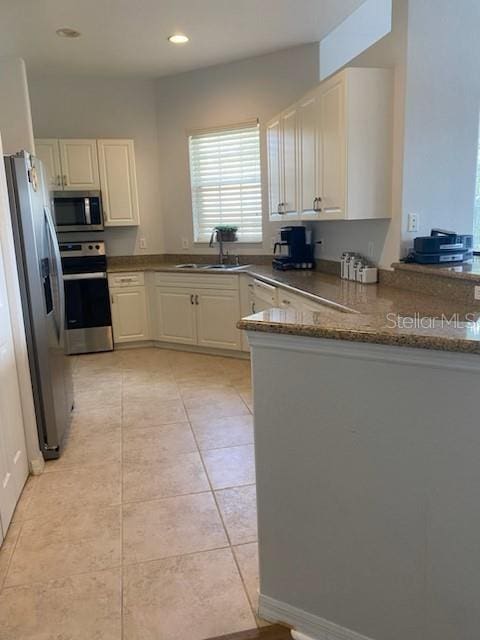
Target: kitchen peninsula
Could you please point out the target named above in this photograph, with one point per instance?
(367, 449)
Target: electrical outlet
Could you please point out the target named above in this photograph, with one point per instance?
(184, 243)
(412, 225)
(371, 249)
(143, 243)
(477, 293)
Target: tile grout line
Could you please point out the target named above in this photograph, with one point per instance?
(226, 530)
(9, 563)
(21, 585)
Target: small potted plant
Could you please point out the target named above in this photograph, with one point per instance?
(226, 233)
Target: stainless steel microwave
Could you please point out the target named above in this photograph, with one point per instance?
(78, 211)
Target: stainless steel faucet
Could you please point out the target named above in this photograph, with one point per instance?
(218, 237)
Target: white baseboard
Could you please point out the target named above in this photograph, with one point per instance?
(311, 627)
(176, 346)
(37, 465)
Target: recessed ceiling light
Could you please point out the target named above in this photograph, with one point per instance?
(66, 32)
(178, 38)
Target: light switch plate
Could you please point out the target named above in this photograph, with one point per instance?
(184, 243)
(477, 293)
(143, 243)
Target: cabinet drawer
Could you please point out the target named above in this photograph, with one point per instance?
(196, 281)
(133, 279)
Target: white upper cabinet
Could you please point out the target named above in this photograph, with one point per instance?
(289, 162)
(118, 182)
(333, 153)
(274, 169)
(90, 165)
(343, 146)
(282, 166)
(79, 164)
(48, 151)
(310, 154)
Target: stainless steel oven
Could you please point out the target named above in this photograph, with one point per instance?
(87, 301)
(78, 211)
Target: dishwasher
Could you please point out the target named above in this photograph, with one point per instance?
(262, 296)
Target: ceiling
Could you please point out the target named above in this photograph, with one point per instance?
(129, 37)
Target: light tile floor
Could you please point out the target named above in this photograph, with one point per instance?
(145, 528)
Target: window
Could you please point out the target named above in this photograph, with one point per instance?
(226, 183)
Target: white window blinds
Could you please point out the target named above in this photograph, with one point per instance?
(226, 183)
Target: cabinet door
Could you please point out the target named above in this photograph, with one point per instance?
(13, 458)
(79, 164)
(289, 163)
(48, 151)
(333, 150)
(274, 170)
(175, 315)
(310, 149)
(217, 315)
(129, 314)
(118, 182)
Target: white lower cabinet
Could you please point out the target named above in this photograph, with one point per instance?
(174, 315)
(200, 310)
(129, 314)
(217, 315)
(193, 309)
(129, 305)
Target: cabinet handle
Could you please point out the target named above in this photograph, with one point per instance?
(65, 181)
(192, 299)
(196, 299)
(111, 298)
(59, 181)
(315, 205)
(280, 207)
(287, 302)
(253, 307)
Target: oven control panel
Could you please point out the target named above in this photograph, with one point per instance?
(82, 249)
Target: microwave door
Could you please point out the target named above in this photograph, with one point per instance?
(78, 211)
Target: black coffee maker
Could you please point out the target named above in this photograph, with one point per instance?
(300, 253)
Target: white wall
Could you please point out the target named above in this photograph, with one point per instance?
(441, 114)
(224, 94)
(359, 31)
(15, 116)
(82, 107)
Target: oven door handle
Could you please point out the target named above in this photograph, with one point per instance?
(98, 275)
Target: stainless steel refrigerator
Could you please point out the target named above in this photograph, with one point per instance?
(43, 299)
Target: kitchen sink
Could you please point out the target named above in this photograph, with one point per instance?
(208, 267)
(227, 267)
(190, 266)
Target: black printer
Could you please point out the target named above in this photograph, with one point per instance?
(442, 247)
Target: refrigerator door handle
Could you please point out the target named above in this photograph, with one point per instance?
(58, 263)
